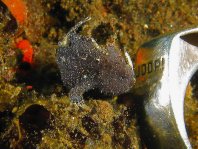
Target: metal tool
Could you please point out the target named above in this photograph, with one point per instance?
(163, 69)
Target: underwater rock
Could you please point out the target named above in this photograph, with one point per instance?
(91, 126)
(84, 65)
(33, 121)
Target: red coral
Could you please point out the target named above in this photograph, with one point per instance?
(29, 87)
(27, 50)
(18, 9)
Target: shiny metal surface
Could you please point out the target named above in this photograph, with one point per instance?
(163, 68)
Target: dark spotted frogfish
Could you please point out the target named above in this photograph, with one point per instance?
(84, 65)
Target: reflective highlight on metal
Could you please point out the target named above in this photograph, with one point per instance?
(163, 69)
